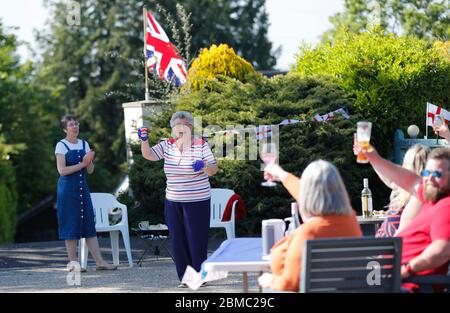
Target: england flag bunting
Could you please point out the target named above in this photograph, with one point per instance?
(288, 122)
(161, 55)
(263, 131)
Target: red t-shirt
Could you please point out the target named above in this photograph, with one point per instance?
(431, 224)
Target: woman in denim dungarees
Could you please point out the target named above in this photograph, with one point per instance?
(74, 206)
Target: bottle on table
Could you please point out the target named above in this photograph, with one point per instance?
(366, 199)
(294, 221)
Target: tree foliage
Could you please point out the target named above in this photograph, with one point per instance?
(217, 60)
(25, 128)
(426, 19)
(8, 193)
(8, 202)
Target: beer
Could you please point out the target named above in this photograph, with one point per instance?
(363, 132)
(366, 199)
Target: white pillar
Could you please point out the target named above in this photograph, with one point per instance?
(137, 114)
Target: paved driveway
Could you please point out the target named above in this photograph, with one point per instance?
(40, 267)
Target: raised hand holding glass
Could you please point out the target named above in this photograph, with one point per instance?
(269, 155)
(438, 121)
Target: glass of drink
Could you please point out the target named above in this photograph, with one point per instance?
(269, 155)
(363, 131)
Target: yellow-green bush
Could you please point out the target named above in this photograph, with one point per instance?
(443, 47)
(216, 61)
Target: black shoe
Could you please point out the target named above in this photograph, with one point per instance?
(182, 285)
(204, 284)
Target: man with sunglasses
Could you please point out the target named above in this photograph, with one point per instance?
(426, 240)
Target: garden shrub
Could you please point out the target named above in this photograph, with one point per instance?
(389, 79)
(216, 61)
(262, 101)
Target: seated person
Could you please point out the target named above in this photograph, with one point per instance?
(401, 200)
(325, 209)
(426, 240)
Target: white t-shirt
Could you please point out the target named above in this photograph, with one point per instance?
(61, 149)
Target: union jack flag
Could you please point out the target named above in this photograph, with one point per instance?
(161, 54)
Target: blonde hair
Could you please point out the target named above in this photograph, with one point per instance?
(322, 191)
(415, 160)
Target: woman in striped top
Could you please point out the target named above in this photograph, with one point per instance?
(188, 163)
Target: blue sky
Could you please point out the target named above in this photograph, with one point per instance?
(292, 22)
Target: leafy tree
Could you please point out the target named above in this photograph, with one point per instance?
(25, 116)
(261, 101)
(8, 193)
(428, 19)
(243, 25)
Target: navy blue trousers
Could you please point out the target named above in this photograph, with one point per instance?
(188, 224)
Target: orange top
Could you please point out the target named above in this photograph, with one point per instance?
(286, 254)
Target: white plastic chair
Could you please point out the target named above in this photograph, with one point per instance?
(219, 200)
(103, 203)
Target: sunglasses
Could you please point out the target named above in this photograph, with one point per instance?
(427, 173)
(76, 124)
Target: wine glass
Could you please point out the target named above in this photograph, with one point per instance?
(438, 121)
(269, 155)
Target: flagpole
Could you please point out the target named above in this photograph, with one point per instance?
(144, 13)
(426, 123)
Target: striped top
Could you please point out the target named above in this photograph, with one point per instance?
(183, 184)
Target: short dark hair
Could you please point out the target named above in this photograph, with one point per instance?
(65, 119)
(440, 153)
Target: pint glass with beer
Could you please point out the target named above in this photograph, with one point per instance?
(363, 130)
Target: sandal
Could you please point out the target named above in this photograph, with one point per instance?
(106, 268)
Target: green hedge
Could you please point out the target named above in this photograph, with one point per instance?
(388, 78)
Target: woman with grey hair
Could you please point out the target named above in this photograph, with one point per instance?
(326, 212)
(188, 163)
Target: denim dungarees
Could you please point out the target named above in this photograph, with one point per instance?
(74, 206)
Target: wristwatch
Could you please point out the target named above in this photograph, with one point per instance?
(409, 269)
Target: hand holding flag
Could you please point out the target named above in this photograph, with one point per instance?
(143, 133)
(433, 111)
(442, 131)
(198, 165)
